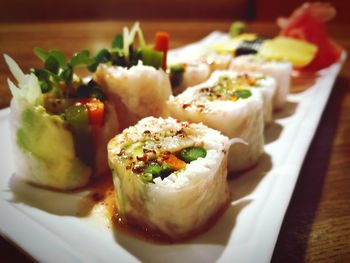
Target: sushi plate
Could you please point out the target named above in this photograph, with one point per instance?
(58, 227)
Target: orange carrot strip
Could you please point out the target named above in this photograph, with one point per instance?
(162, 44)
(174, 162)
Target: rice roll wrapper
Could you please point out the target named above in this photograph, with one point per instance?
(235, 111)
(280, 70)
(181, 198)
(136, 92)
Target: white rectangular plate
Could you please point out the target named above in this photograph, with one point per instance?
(59, 227)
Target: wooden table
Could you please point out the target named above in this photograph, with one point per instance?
(316, 227)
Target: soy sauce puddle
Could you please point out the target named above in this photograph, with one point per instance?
(104, 198)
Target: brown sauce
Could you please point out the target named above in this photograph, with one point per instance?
(104, 196)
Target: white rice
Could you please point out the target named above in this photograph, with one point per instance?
(194, 74)
(137, 92)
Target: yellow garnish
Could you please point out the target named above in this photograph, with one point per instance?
(232, 44)
(300, 53)
(234, 98)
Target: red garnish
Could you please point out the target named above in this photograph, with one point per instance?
(95, 110)
(308, 23)
(162, 44)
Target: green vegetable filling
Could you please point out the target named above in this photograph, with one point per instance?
(127, 56)
(158, 167)
(176, 73)
(242, 93)
(151, 57)
(192, 153)
(147, 177)
(228, 88)
(90, 90)
(153, 170)
(78, 122)
(77, 114)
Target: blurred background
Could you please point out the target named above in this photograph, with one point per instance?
(71, 10)
(72, 25)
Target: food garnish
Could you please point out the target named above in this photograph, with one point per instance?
(308, 23)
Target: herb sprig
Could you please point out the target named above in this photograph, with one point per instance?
(58, 71)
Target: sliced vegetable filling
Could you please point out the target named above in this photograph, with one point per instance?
(77, 102)
(149, 164)
(227, 88)
(176, 73)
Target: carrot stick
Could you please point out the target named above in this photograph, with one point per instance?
(162, 44)
(174, 162)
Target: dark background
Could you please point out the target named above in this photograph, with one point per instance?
(261, 10)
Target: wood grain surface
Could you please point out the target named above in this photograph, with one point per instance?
(316, 227)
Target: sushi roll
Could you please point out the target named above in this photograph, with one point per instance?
(169, 176)
(59, 138)
(266, 85)
(185, 75)
(236, 111)
(279, 70)
(134, 77)
(136, 92)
